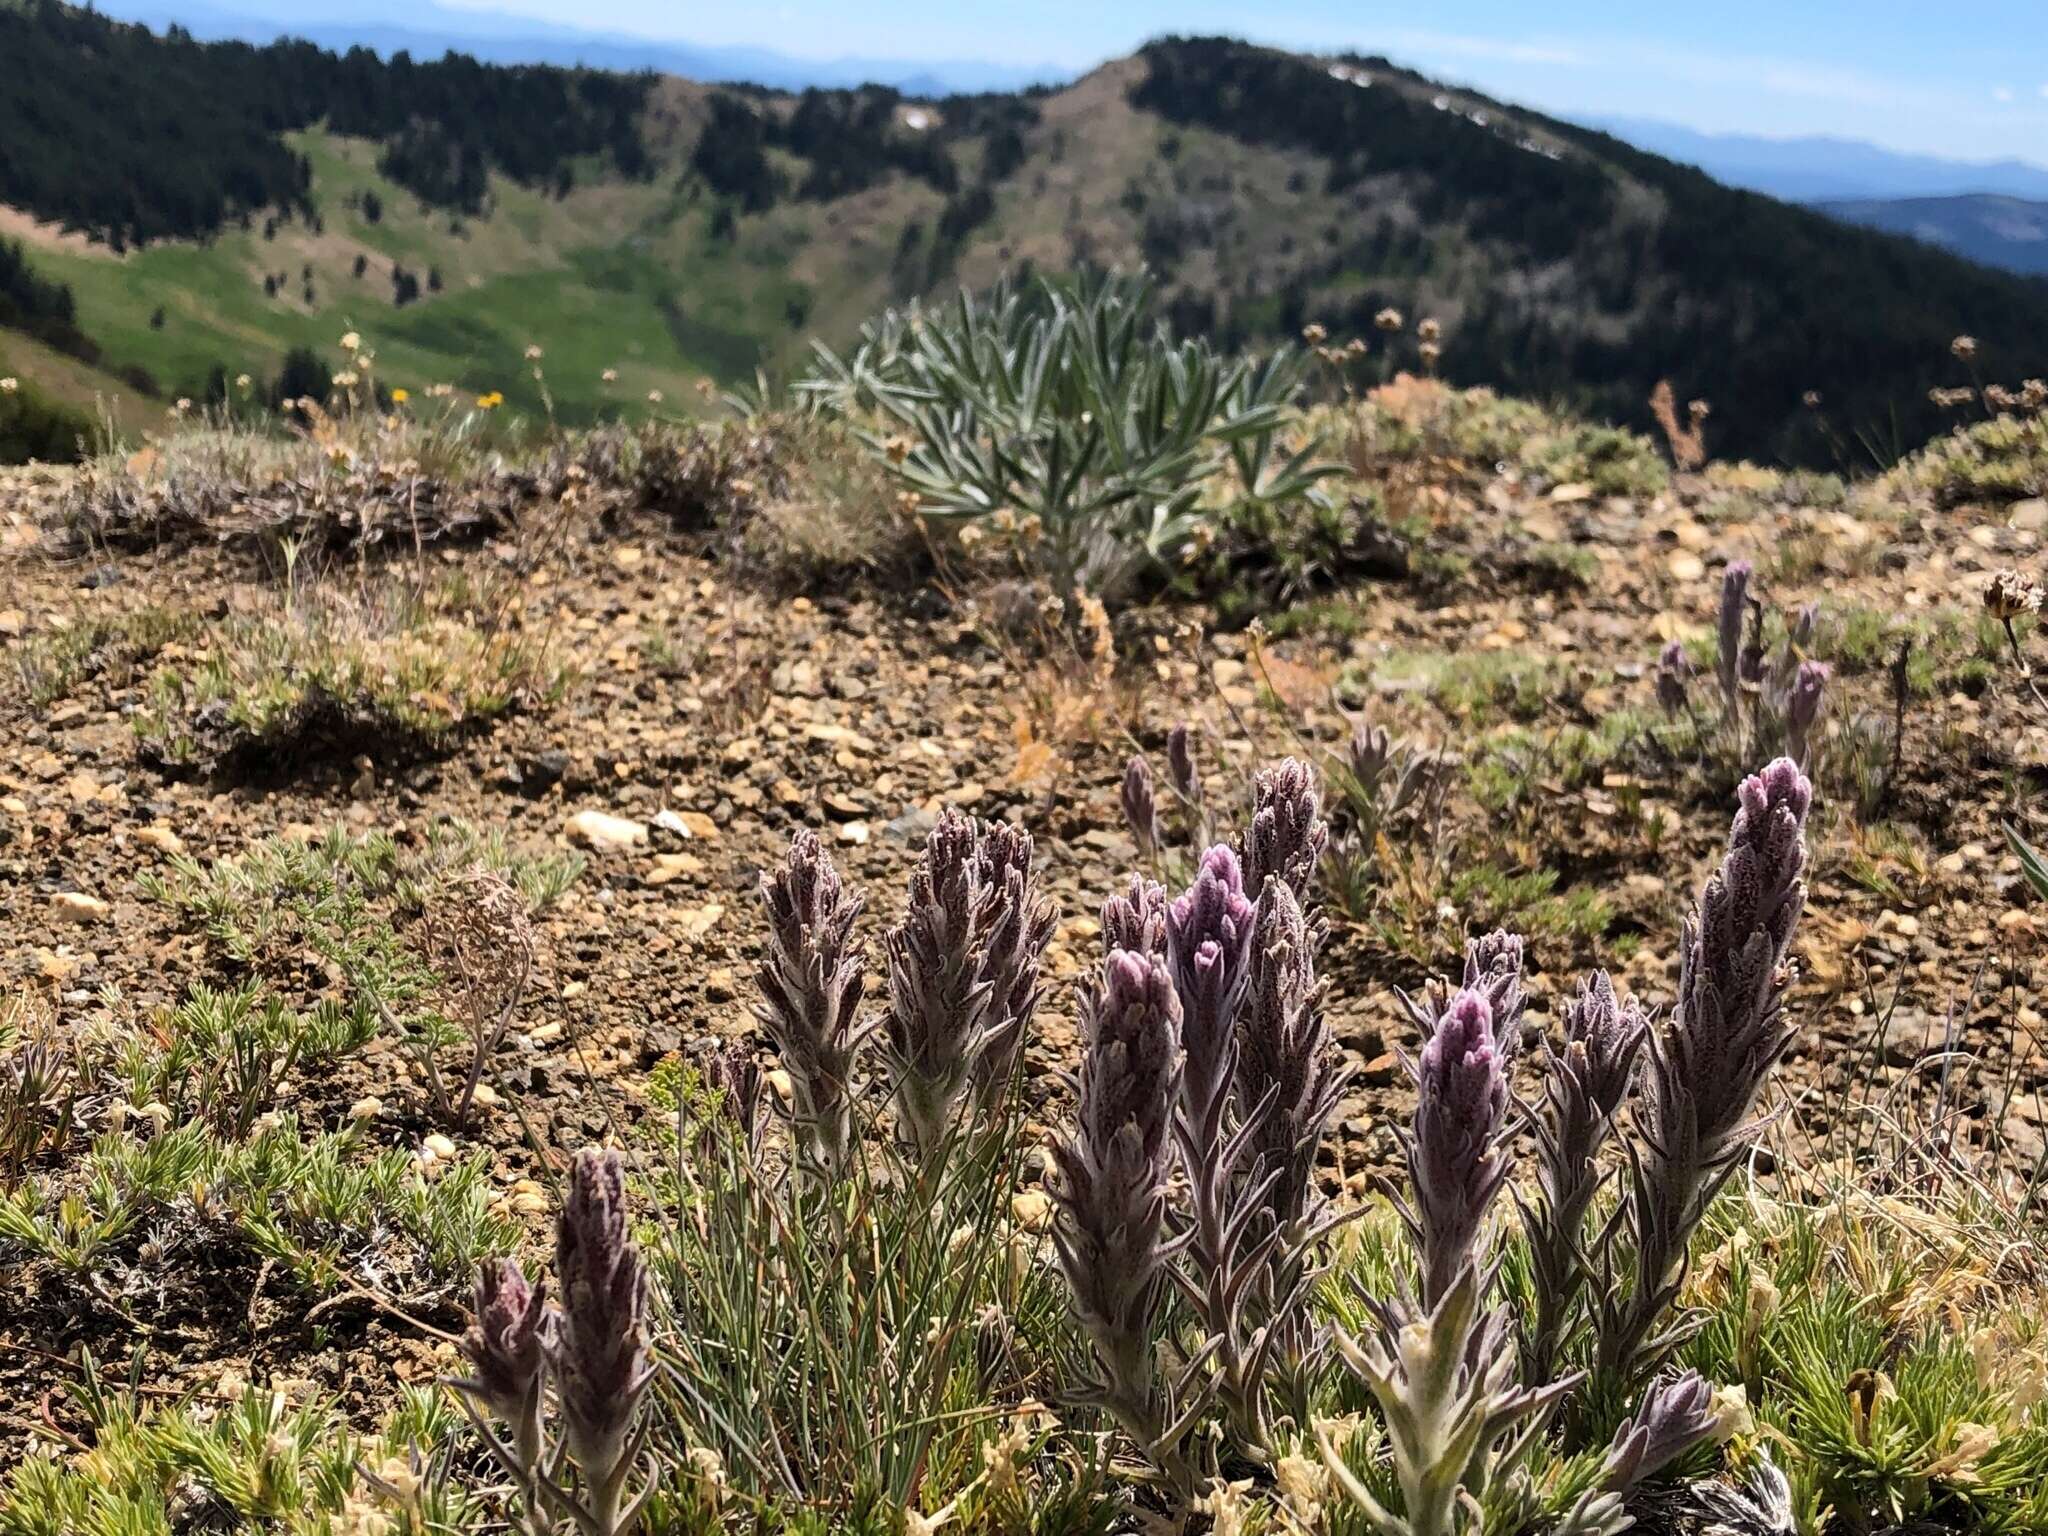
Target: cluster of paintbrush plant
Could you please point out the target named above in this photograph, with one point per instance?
(1522, 1324)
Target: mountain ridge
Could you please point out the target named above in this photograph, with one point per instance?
(1266, 190)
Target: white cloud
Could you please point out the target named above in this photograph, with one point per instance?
(2001, 93)
(1462, 45)
(2044, 90)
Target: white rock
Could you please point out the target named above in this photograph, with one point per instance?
(161, 838)
(605, 834)
(77, 907)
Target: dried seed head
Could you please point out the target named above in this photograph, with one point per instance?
(2010, 595)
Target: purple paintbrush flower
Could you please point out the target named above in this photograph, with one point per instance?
(1180, 764)
(1288, 836)
(1674, 1415)
(1113, 1170)
(1729, 630)
(1287, 1060)
(1674, 673)
(1493, 968)
(1141, 805)
(1208, 942)
(1456, 1161)
(1708, 1066)
(939, 989)
(599, 1353)
(1290, 1080)
(811, 985)
(1135, 919)
(1019, 926)
(1584, 1085)
(1802, 708)
(505, 1346)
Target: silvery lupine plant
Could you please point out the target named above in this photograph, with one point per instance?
(1709, 1063)
(1111, 1235)
(1208, 948)
(1020, 925)
(939, 992)
(1141, 806)
(811, 985)
(1584, 1086)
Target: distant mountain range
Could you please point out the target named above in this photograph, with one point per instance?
(2009, 232)
(426, 30)
(1819, 170)
(1993, 211)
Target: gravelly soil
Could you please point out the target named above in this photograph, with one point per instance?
(863, 713)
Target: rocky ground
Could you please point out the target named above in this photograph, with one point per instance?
(711, 713)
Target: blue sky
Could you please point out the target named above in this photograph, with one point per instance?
(1942, 78)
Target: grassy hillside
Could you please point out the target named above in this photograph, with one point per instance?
(1266, 190)
(76, 386)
